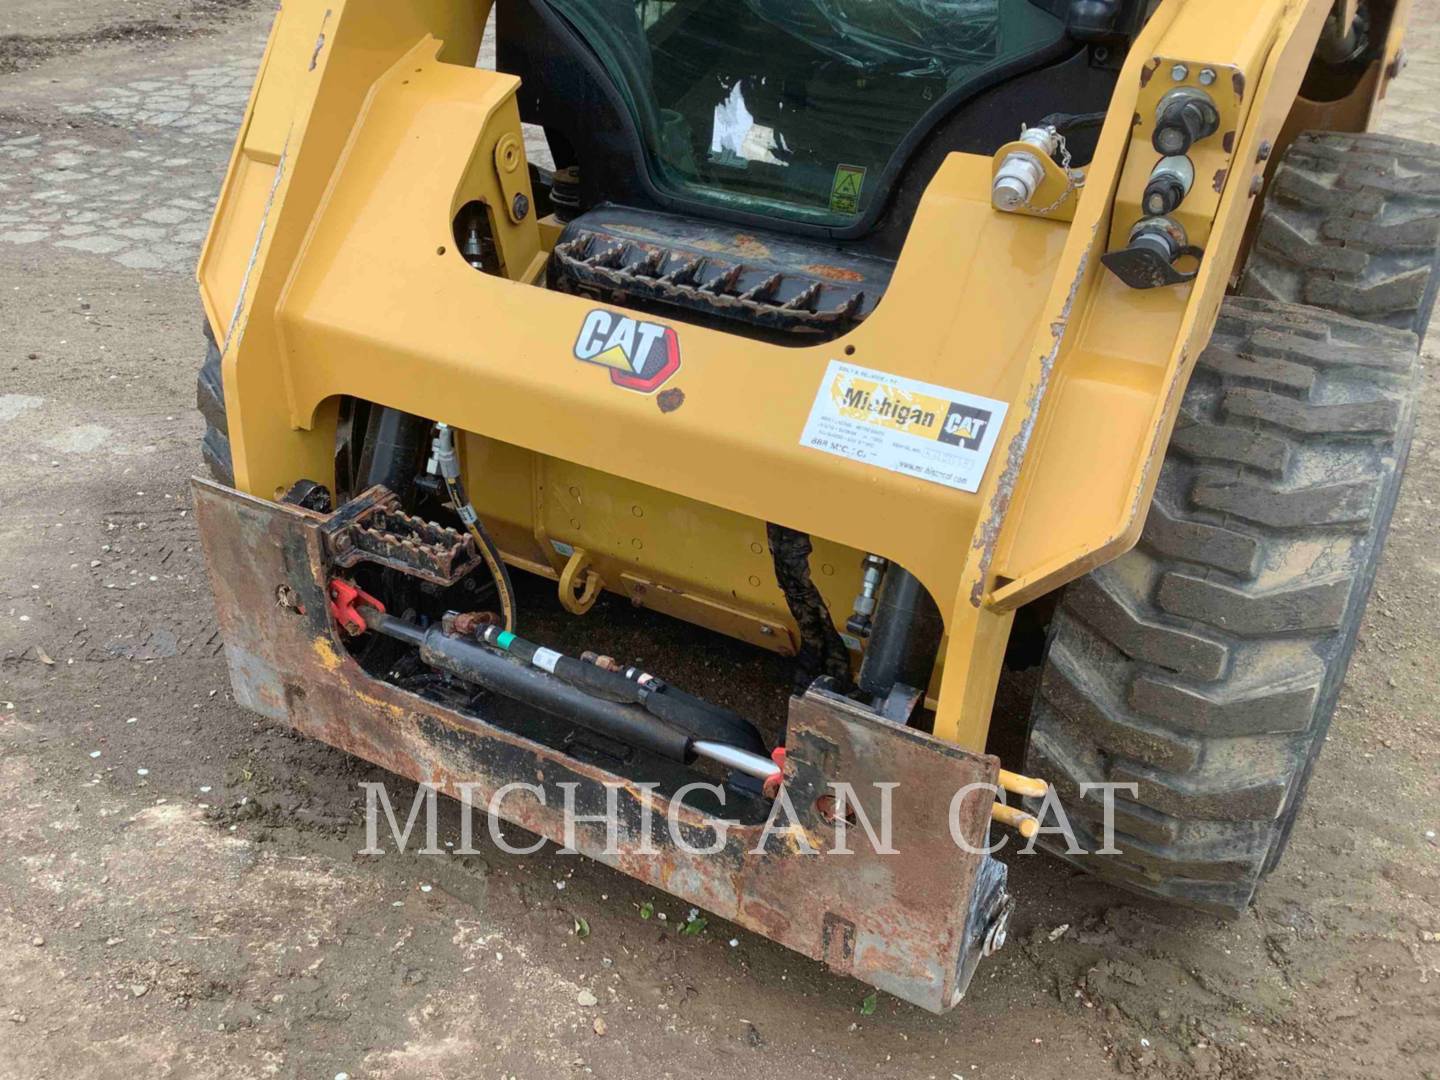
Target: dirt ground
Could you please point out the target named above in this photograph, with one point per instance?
(180, 893)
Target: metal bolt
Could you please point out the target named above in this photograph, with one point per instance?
(767, 631)
(1208, 77)
(520, 207)
(1266, 149)
(1256, 184)
(1179, 73)
(996, 936)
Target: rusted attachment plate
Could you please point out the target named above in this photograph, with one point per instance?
(911, 922)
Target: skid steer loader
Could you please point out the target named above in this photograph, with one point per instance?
(691, 418)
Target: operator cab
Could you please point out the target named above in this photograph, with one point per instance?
(755, 164)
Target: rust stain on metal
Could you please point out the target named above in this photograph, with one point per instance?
(750, 247)
(916, 931)
(1239, 83)
(670, 400)
(1220, 176)
(1228, 142)
(988, 532)
(468, 623)
(646, 234)
(834, 273)
(1148, 72)
(740, 243)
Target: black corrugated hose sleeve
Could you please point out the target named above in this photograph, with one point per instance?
(822, 650)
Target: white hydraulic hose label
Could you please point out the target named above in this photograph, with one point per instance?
(546, 659)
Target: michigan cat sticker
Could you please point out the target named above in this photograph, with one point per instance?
(641, 355)
(906, 426)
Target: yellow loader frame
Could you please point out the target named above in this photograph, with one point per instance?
(331, 269)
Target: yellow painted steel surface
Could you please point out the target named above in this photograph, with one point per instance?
(331, 270)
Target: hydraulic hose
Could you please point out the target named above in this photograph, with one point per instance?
(699, 718)
(1063, 122)
(448, 464)
(508, 674)
(524, 683)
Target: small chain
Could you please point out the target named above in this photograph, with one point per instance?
(1075, 178)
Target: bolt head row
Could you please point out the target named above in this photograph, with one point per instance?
(1179, 73)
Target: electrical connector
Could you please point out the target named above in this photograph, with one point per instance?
(447, 461)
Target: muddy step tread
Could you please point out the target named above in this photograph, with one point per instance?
(1073, 688)
(1307, 418)
(1250, 612)
(1344, 503)
(1211, 442)
(1221, 710)
(1170, 533)
(1103, 603)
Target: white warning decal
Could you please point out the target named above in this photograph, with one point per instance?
(904, 425)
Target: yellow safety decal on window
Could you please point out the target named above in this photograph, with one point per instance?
(845, 190)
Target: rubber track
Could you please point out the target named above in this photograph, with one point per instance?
(210, 400)
(1204, 665)
(1352, 224)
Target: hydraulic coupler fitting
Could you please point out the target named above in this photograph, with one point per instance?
(1184, 117)
(1169, 183)
(859, 623)
(1021, 174)
(1148, 261)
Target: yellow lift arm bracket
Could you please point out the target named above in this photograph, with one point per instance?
(1080, 455)
(322, 61)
